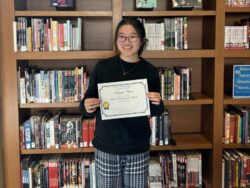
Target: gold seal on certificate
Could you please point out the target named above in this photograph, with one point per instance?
(124, 99)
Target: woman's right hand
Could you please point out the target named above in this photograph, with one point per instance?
(91, 104)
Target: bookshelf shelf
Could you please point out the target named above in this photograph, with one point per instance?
(237, 53)
(198, 99)
(170, 13)
(64, 55)
(186, 141)
(106, 54)
(237, 9)
(50, 105)
(54, 151)
(183, 141)
(179, 54)
(64, 13)
(236, 146)
(230, 100)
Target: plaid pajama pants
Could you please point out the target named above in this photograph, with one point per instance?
(121, 171)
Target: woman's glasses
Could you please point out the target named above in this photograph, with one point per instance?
(131, 38)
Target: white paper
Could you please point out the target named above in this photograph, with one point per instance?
(124, 99)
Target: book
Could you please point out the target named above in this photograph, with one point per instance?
(146, 4)
(155, 177)
(241, 81)
(69, 131)
(62, 3)
(187, 4)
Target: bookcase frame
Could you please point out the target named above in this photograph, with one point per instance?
(211, 100)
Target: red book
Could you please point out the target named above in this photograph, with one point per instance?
(53, 173)
(91, 131)
(85, 132)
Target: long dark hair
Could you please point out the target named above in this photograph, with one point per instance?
(138, 26)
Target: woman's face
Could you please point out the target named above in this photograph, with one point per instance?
(128, 42)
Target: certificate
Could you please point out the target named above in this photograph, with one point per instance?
(124, 99)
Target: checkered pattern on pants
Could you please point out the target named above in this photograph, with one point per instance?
(121, 171)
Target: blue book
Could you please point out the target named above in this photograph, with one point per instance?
(241, 81)
(27, 134)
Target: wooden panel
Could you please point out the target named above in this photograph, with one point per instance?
(97, 34)
(237, 9)
(183, 141)
(185, 119)
(230, 100)
(237, 53)
(64, 55)
(236, 146)
(186, 141)
(64, 13)
(208, 73)
(215, 161)
(9, 105)
(179, 54)
(50, 105)
(1, 111)
(232, 19)
(195, 13)
(55, 151)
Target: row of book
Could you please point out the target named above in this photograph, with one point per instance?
(47, 34)
(235, 169)
(175, 83)
(237, 3)
(236, 126)
(169, 34)
(170, 169)
(50, 86)
(38, 85)
(176, 169)
(56, 171)
(160, 129)
(236, 37)
(43, 131)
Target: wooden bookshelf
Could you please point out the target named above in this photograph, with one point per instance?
(206, 51)
(183, 141)
(194, 13)
(186, 141)
(54, 151)
(230, 100)
(180, 54)
(62, 55)
(64, 13)
(237, 53)
(236, 146)
(237, 9)
(50, 105)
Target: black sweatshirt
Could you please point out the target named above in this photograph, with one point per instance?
(126, 135)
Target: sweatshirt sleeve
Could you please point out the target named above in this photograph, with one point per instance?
(91, 92)
(154, 86)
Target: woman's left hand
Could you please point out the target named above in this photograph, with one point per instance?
(154, 97)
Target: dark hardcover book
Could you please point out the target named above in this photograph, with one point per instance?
(61, 4)
(68, 131)
(56, 118)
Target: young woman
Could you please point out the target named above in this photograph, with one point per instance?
(122, 145)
